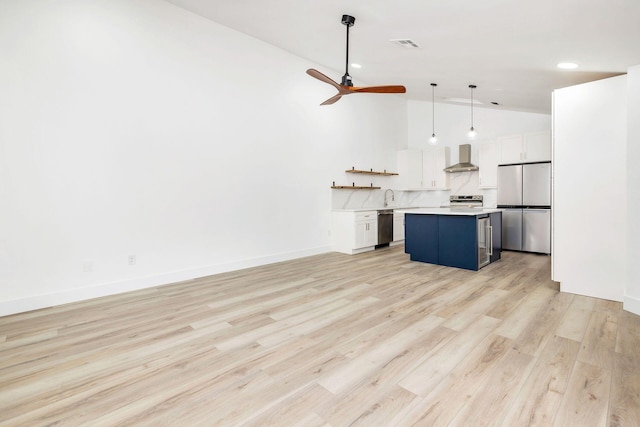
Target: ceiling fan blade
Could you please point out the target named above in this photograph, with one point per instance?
(332, 100)
(318, 75)
(380, 89)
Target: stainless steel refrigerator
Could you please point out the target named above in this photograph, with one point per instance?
(524, 192)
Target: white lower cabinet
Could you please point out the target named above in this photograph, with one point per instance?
(398, 227)
(366, 232)
(354, 232)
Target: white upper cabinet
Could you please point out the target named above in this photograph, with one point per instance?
(511, 148)
(423, 169)
(410, 169)
(488, 161)
(537, 147)
(531, 147)
(434, 161)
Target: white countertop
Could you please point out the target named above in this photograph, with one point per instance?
(427, 210)
(449, 211)
(395, 208)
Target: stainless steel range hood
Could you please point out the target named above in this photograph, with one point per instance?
(464, 158)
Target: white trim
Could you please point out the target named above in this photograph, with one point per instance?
(74, 295)
(631, 304)
(348, 251)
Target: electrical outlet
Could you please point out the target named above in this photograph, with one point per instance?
(131, 260)
(87, 266)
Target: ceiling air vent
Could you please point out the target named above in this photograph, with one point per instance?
(408, 43)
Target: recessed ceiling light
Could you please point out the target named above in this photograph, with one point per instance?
(567, 65)
(408, 43)
(354, 65)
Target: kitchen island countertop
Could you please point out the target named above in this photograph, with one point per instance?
(449, 211)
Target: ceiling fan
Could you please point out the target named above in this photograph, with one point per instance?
(346, 87)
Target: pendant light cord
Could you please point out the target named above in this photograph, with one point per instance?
(472, 87)
(433, 108)
(472, 131)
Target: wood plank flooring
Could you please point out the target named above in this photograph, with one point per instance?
(330, 340)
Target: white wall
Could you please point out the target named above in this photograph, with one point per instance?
(134, 127)
(590, 188)
(632, 297)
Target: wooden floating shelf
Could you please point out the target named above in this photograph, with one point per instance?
(353, 187)
(370, 172)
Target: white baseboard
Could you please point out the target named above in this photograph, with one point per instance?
(21, 305)
(631, 304)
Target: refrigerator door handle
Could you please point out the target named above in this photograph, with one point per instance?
(490, 239)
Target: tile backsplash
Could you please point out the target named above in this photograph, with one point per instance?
(461, 183)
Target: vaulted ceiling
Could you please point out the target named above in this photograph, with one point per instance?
(508, 48)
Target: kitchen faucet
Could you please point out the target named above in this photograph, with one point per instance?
(393, 197)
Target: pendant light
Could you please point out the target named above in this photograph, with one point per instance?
(433, 140)
(472, 134)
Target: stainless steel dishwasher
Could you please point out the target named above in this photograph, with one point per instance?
(385, 227)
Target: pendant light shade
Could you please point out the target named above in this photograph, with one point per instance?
(433, 140)
(472, 134)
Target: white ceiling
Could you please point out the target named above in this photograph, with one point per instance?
(508, 48)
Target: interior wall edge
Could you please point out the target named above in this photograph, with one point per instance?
(631, 304)
(37, 302)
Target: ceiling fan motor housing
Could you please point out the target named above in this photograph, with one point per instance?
(348, 20)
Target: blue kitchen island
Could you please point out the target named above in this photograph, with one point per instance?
(468, 238)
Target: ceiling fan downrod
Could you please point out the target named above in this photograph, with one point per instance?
(348, 21)
(347, 88)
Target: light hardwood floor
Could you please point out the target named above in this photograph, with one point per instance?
(329, 340)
